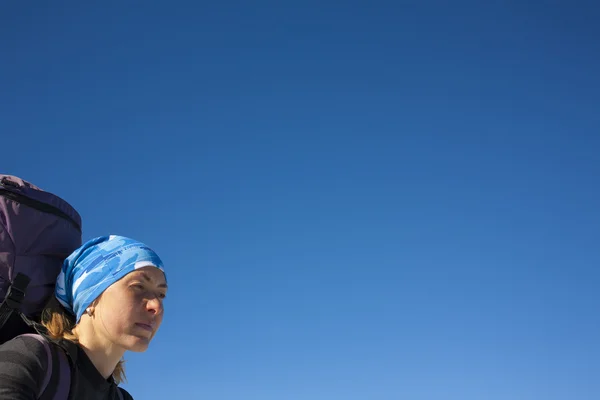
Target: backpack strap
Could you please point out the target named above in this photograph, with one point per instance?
(14, 297)
(63, 385)
(65, 356)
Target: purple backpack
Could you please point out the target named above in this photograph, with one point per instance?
(38, 230)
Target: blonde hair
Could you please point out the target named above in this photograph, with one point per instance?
(60, 324)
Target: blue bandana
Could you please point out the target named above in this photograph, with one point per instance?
(96, 265)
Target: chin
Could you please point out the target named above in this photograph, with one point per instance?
(138, 345)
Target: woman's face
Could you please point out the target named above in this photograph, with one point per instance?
(130, 311)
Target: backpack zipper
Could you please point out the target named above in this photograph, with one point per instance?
(38, 205)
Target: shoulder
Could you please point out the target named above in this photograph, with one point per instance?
(26, 348)
(24, 361)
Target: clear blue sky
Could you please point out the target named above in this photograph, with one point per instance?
(354, 202)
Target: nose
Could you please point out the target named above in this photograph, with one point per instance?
(155, 305)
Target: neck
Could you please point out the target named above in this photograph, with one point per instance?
(104, 355)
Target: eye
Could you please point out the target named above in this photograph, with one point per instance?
(162, 296)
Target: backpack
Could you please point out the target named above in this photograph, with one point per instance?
(38, 231)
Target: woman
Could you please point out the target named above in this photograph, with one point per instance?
(109, 296)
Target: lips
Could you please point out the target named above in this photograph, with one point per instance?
(147, 327)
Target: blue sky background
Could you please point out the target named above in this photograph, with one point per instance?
(367, 201)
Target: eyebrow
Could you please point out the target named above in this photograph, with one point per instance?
(148, 279)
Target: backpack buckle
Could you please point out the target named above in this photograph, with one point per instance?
(16, 291)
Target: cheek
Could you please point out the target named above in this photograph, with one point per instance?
(118, 313)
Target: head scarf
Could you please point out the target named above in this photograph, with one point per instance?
(96, 265)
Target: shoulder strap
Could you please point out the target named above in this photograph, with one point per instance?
(63, 386)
